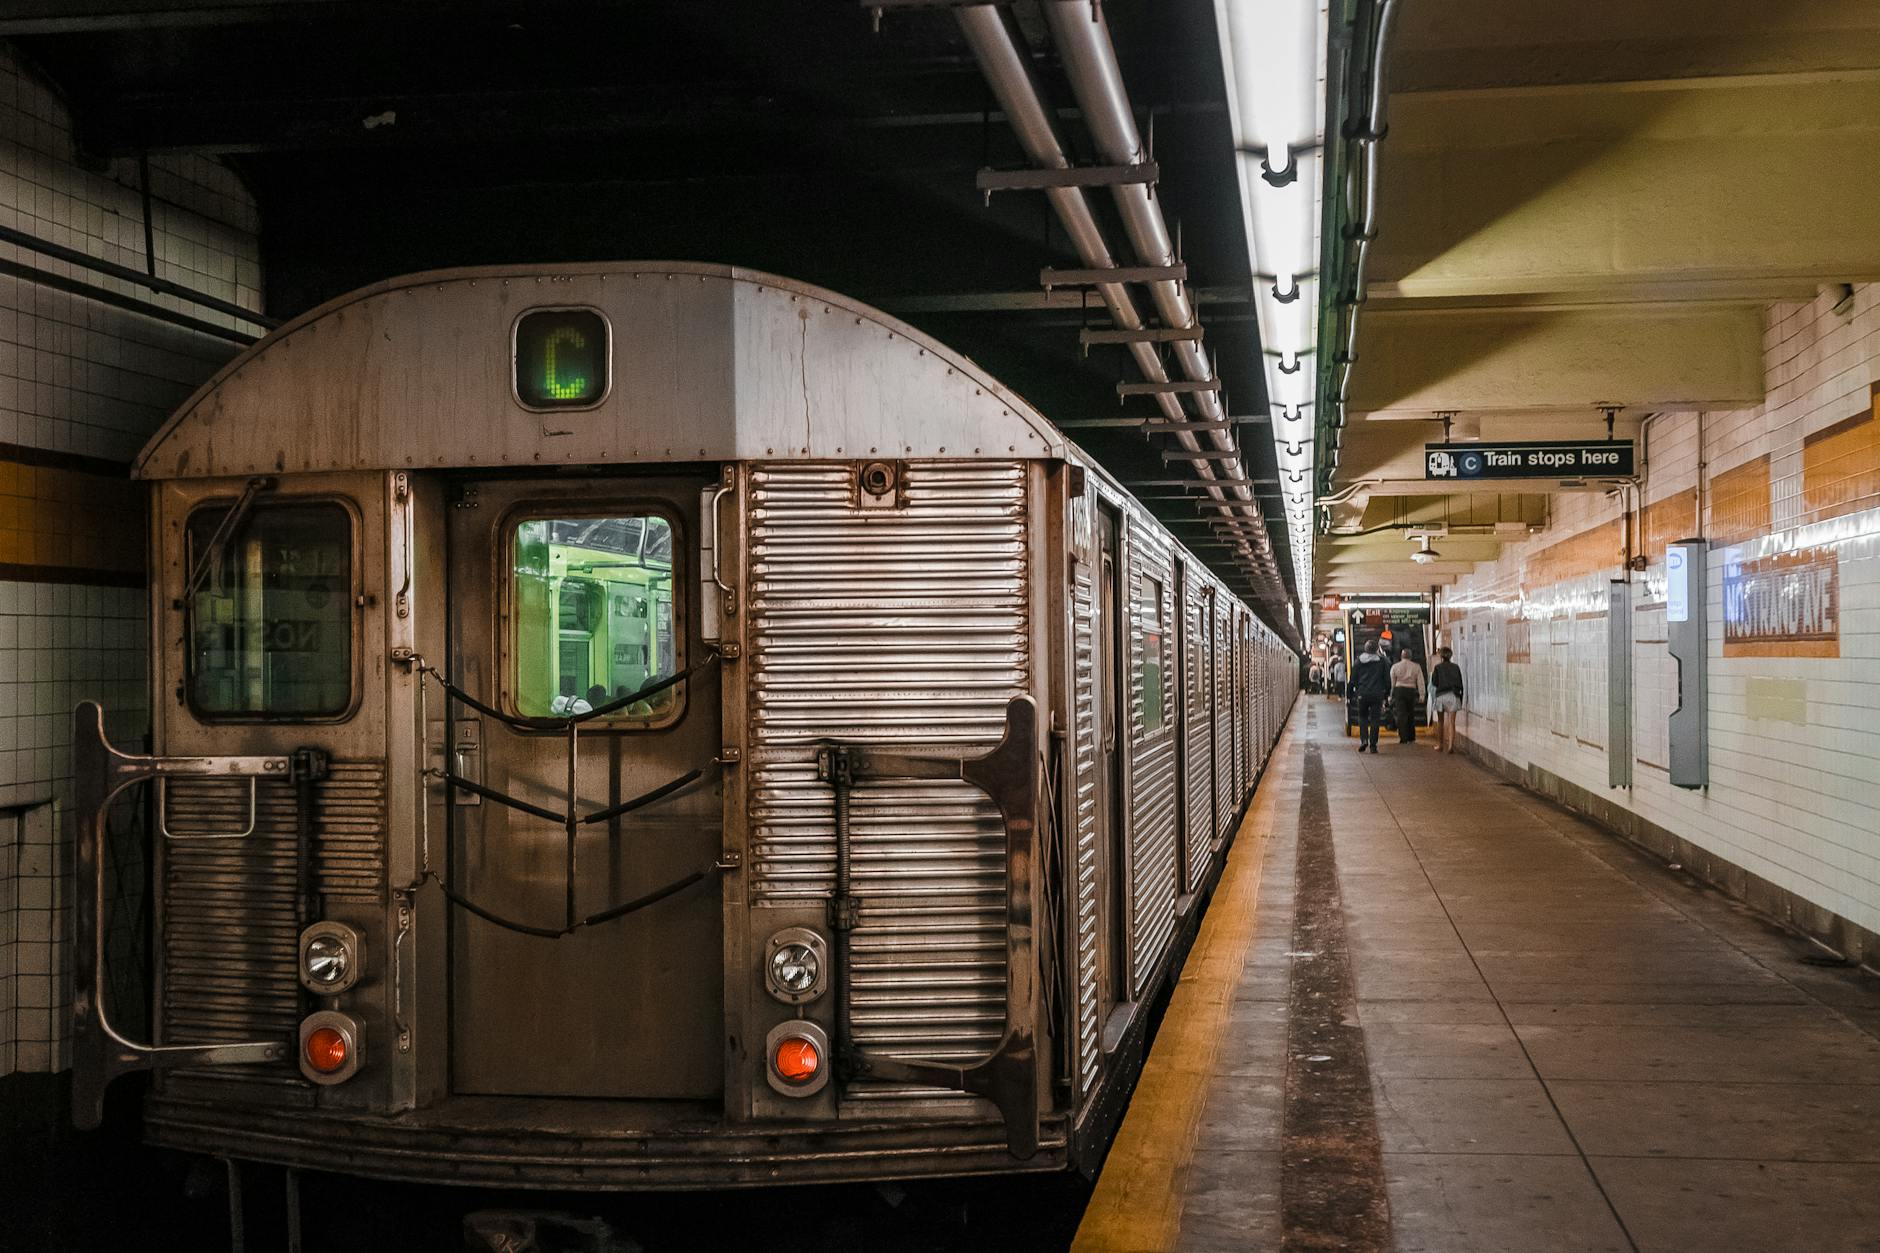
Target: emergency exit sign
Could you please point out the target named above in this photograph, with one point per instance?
(1534, 459)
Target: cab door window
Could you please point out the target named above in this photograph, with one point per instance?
(592, 607)
(270, 625)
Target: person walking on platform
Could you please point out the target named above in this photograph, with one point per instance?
(1312, 678)
(1406, 689)
(1370, 683)
(1446, 683)
(1337, 687)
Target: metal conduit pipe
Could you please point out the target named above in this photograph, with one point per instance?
(1005, 66)
(1083, 41)
(1008, 71)
(1375, 125)
(1364, 230)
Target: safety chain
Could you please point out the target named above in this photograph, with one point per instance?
(570, 820)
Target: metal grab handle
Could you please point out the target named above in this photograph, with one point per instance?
(401, 494)
(184, 837)
(100, 1053)
(729, 593)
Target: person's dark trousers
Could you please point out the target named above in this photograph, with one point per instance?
(1370, 714)
(1403, 703)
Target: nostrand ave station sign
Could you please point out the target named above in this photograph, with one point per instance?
(1534, 459)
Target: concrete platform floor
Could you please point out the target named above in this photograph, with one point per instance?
(1569, 1046)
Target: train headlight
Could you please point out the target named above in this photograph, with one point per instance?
(330, 958)
(795, 963)
(795, 968)
(797, 1057)
(329, 1046)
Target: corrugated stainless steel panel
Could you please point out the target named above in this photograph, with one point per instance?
(1084, 755)
(1242, 710)
(229, 942)
(1153, 881)
(1223, 717)
(1200, 815)
(1257, 680)
(906, 626)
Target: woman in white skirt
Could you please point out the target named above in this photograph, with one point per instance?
(1445, 700)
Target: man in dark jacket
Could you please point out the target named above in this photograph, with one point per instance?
(1370, 684)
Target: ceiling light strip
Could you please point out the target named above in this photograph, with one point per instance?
(1273, 54)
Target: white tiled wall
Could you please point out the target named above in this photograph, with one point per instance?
(75, 375)
(1794, 799)
(81, 377)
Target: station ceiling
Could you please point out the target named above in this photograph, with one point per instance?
(786, 135)
(1589, 204)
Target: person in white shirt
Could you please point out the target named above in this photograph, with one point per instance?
(1406, 689)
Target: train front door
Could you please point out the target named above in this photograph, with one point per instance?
(567, 596)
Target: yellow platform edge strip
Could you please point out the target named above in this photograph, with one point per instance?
(1137, 1205)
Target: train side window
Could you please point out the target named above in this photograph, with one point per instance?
(271, 623)
(1149, 613)
(595, 617)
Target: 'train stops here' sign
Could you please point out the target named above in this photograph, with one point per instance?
(1535, 459)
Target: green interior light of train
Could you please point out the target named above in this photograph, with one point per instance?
(594, 614)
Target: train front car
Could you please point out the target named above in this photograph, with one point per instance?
(603, 736)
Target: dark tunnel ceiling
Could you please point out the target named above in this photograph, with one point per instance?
(785, 135)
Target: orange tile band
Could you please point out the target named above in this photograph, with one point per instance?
(1841, 464)
(1740, 505)
(66, 518)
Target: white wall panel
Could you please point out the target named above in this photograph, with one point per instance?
(1795, 740)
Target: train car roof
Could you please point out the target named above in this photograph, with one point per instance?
(708, 363)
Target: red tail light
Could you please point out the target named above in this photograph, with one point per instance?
(326, 1050)
(798, 1059)
(329, 1046)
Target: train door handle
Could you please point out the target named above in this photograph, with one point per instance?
(467, 759)
(729, 593)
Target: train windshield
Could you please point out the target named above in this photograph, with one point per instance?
(270, 624)
(593, 616)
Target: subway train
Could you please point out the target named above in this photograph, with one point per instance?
(653, 726)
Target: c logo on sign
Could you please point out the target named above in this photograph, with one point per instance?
(572, 387)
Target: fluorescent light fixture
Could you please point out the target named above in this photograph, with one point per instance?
(1273, 55)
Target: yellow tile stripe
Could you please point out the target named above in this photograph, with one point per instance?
(68, 519)
(1138, 1200)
